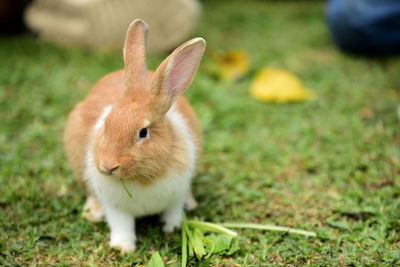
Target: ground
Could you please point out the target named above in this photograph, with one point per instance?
(330, 165)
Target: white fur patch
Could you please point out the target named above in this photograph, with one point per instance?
(181, 127)
(146, 123)
(102, 118)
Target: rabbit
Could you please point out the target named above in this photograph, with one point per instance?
(136, 126)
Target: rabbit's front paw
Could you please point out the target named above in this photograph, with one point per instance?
(172, 218)
(122, 244)
(169, 228)
(190, 202)
(93, 211)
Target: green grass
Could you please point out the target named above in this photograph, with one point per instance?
(330, 165)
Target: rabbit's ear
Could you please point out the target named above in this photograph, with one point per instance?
(135, 55)
(176, 72)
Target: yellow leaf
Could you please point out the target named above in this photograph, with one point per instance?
(277, 85)
(231, 65)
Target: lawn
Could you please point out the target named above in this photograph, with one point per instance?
(329, 165)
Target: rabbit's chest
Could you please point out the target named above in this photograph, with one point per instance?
(144, 200)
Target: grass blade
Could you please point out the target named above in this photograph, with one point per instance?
(212, 227)
(184, 244)
(126, 188)
(269, 228)
(156, 260)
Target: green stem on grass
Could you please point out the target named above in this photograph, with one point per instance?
(269, 228)
(212, 227)
(126, 188)
(184, 243)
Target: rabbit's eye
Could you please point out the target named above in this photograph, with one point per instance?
(143, 133)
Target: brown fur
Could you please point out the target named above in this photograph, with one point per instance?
(135, 55)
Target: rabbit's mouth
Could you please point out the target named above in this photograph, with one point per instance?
(109, 167)
(113, 171)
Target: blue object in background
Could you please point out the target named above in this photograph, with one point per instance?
(365, 26)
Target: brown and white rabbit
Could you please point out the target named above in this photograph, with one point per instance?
(135, 125)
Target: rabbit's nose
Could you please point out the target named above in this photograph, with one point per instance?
(109, 169)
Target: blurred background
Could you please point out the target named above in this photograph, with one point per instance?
(298, 105)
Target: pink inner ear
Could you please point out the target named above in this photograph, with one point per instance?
(182, 69)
